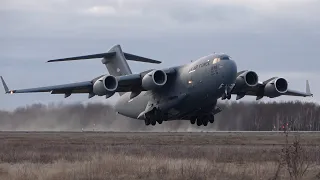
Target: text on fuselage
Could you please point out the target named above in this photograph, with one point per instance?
(200, 66)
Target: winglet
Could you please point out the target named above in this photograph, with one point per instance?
(308, 91)
(5, 85)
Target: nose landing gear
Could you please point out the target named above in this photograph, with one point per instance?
(226, 96)
(227, 91)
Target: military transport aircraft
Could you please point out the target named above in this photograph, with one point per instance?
(187, 92)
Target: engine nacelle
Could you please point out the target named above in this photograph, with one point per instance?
(154, 79)
(105, 86)
(276, 87)
(247, 79)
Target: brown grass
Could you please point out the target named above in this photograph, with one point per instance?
(59, 156)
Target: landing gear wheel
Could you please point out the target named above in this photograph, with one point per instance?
(205, 120)
(193, 120)
(147, 122)
(199, 122)
(229, 96)
(224, 96)
(158, 116)
(153, 122)
(211, 118)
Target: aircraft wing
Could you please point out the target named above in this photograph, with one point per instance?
(259, 91)
(126, 83)
(80, 87)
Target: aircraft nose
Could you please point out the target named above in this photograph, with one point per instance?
(230, 71)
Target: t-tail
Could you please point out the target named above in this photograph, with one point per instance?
(115, 60)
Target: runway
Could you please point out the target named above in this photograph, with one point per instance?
(163, 138)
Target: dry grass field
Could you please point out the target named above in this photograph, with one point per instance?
(196, 156)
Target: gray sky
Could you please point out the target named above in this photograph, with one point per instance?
(271, 37)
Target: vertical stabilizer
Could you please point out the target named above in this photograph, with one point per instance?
(117, 65)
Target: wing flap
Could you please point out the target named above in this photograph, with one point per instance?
(72, 91)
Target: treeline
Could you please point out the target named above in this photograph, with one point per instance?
(259, 116)
(242, 116)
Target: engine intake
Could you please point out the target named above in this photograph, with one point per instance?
(154, 79)
(247, 79)
(106, 85)
(276, 88)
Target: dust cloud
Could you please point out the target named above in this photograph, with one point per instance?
(76, 117)
(102, 117)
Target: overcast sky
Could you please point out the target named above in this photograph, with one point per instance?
(271, 37)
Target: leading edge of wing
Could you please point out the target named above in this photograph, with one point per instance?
(65, 88)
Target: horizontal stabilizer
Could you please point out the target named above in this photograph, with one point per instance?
(133, 57)
(93, 56)
(107, 55)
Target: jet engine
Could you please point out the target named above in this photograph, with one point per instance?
(154, 79)
(247, 79)
(276, 87)
(106, 85)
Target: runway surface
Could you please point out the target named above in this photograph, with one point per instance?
(163, 138)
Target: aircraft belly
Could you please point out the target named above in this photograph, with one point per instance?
(132, 108)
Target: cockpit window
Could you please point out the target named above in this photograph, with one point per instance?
(220, 58)
(215, 60)
(225, 58)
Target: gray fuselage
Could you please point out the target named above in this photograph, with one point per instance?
(195, 86)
